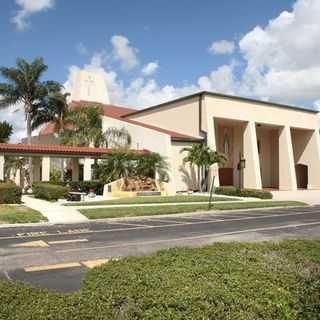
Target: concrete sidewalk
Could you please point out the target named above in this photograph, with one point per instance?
(311, 197)
(54, 212)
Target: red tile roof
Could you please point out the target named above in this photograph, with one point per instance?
(118, 113)
(57, 149)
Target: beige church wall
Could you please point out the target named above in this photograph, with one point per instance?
(43, 139)
(185, 176)
(257, 112)
(144, 138)
(181, 116)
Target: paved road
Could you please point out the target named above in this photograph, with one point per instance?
(58, 257)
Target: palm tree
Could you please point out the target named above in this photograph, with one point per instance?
(6, 131)
(13, 164)
(201, 156)
(55, 111)
(118, 164)
(215, 158)
(23, 85)
(85, 127)
(117, 138)
(195, 156)
(151, 164)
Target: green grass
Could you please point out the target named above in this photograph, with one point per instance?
(235, 281)
(151, 199)
(19, 214)
(100, 213)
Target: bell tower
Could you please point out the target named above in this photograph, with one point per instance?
(89, 86)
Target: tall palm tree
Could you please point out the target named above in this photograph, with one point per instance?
(23, 85)
(55, 111)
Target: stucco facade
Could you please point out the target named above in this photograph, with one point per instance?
(279, 143)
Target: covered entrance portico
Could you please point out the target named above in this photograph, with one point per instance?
(276, 157)
(42, 156)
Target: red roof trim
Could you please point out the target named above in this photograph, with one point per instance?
(58, 149)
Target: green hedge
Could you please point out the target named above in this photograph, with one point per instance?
(10, 193)
(240, 281)
(48, 191)
(85, 186)
(254, 193)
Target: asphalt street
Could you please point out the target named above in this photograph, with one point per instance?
(58, 256)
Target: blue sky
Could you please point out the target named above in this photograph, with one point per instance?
(156, 50)
(174, 33)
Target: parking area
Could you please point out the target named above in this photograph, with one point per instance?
(59, 256)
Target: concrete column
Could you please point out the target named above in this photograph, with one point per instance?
(287, 172)
(87, 169)
(251, 173)
(212, 144)
(45, 169)
(1, 167)
(75, 169)
(314, 170)
(17, 178)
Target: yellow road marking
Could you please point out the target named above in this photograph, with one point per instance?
(67, 241)
(32, 244)
(52, 267)
(94, 263)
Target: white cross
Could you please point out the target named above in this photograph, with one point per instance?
(89, 82)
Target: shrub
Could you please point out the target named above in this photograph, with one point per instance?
(85, 186)
(10, 193)
(48, 191)
(55, 176)
(222, 281)
(254, 193)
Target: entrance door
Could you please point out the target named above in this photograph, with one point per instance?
(226, 176)
(302, 176)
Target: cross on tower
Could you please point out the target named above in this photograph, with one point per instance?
(89, 83)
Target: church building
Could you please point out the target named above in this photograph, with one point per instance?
(279, 144)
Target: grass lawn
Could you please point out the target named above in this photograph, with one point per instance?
(19, 214)
(100, 213)
(237, 281)
(151, 199)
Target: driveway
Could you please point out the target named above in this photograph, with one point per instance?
(311, 197)
(59, 256)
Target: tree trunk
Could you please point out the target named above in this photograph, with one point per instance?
(29, 139)
(199, 179)
(62, 161)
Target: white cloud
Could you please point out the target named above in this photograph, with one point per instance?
(28, 8)
(150, 68)
(221, 80)
(282, 59)
(123, 52)
(15, 116)
(222, 47)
